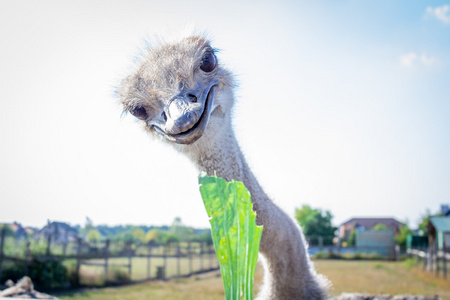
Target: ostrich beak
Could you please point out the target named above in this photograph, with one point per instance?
(186, 120)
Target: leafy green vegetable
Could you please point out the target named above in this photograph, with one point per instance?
(235, 234)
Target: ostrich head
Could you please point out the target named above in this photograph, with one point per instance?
(179, 91)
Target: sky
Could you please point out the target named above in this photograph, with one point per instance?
(341, 105)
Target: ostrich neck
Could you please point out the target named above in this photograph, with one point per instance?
(288, 274)
(225, 159)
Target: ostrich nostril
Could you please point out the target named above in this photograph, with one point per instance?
(193, 98)
(164, 116)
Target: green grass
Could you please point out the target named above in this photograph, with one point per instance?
(189, 289)
(376, 277)
(373, 277)
(94, 275)
(349, 256)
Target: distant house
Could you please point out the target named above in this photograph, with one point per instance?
(367, 224)
(59, 233)
(439, 233)
(445, 210)
(17, 229)
(30, 230)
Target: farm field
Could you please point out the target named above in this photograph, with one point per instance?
(373, 277)
(377, 277)
(94, 275)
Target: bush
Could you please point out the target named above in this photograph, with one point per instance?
(12, 270)
(326, 255)
(38, 246)
(362, 256)
(118, 274)
(45, 275)
(349, 256)
(48, 275)
(72, 275)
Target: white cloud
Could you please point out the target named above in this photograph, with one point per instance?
(408, 59)
(427, 60)
(412, 59)
(442, 13)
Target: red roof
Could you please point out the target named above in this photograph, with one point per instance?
(371, 222)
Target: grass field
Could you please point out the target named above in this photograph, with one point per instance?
(94, 275)
(376, 277)
(373, 277)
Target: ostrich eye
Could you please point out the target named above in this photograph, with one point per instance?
(139, 112)
(208, 62)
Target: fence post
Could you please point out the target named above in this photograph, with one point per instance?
(160, 273)
(165, 256)
(201, 256)
(444, 261)
(178, 259)
(49, 241)
(190, 258)
(130, 255)
(433, 259)
(425, 258)
(106, 259)
(430, 258)
(78, 258)
(27, 256)
(2, 243)
(64, 248)
(437, 261)
(210, 256)
(66, 242)
(149, 254)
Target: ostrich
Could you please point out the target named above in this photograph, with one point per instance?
(184, 97)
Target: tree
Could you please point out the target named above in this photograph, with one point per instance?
(170, 238)
(423, 225)
(125, 236)
(139, 235)
(152, 236)
(380, 226)
(88, 226)
(351, 241)
(401, 237)
(315, 222)
(182, 232)
(160, 237)
(8, 230)
(204, 237)
(93, 236)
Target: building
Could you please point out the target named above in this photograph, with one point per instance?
(30, 230)
(17, 229)
(59, 233)
(367, 224)
(439, 233)
(445, 210)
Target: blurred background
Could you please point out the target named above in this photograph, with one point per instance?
(342, 105)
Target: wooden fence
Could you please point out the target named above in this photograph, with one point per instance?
(433, 260)
(139, 262)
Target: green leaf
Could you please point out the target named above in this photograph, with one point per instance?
(235, 234)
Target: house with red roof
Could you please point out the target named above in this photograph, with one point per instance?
(368, 224)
